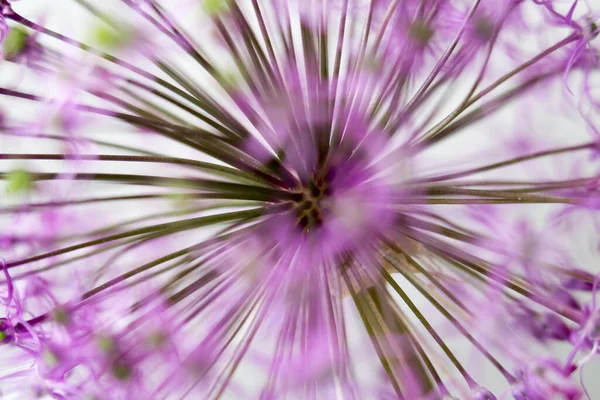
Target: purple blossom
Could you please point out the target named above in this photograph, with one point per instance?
(279, 190)
(588, 334)
(542, 326)
(543, 379)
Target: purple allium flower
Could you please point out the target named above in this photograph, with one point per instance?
(267, 199)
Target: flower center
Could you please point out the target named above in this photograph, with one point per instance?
(483, 29)
(421, 32)
(310, 209)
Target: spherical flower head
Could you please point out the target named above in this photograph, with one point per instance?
(305, 226)
(343, 194)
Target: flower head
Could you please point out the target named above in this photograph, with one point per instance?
(296, 191)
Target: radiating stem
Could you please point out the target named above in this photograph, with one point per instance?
(473, 99)
(512, 161)
(177, 226)
(411, 305)
(447, 315)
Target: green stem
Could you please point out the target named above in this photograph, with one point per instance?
(519, 196)
(468, 262)
(220, 189)
(175, 227)
(516, 160)
(374, 330)
(143, 159)
(428, 327)
(470, 100)
(509, 377)
(108, 57)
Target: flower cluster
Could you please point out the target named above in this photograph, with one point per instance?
(265, 199)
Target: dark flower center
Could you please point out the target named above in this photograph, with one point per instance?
(484, 28)
(309, 207)
(121, 370)
(421, 32)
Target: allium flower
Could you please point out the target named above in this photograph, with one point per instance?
(266, 199)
